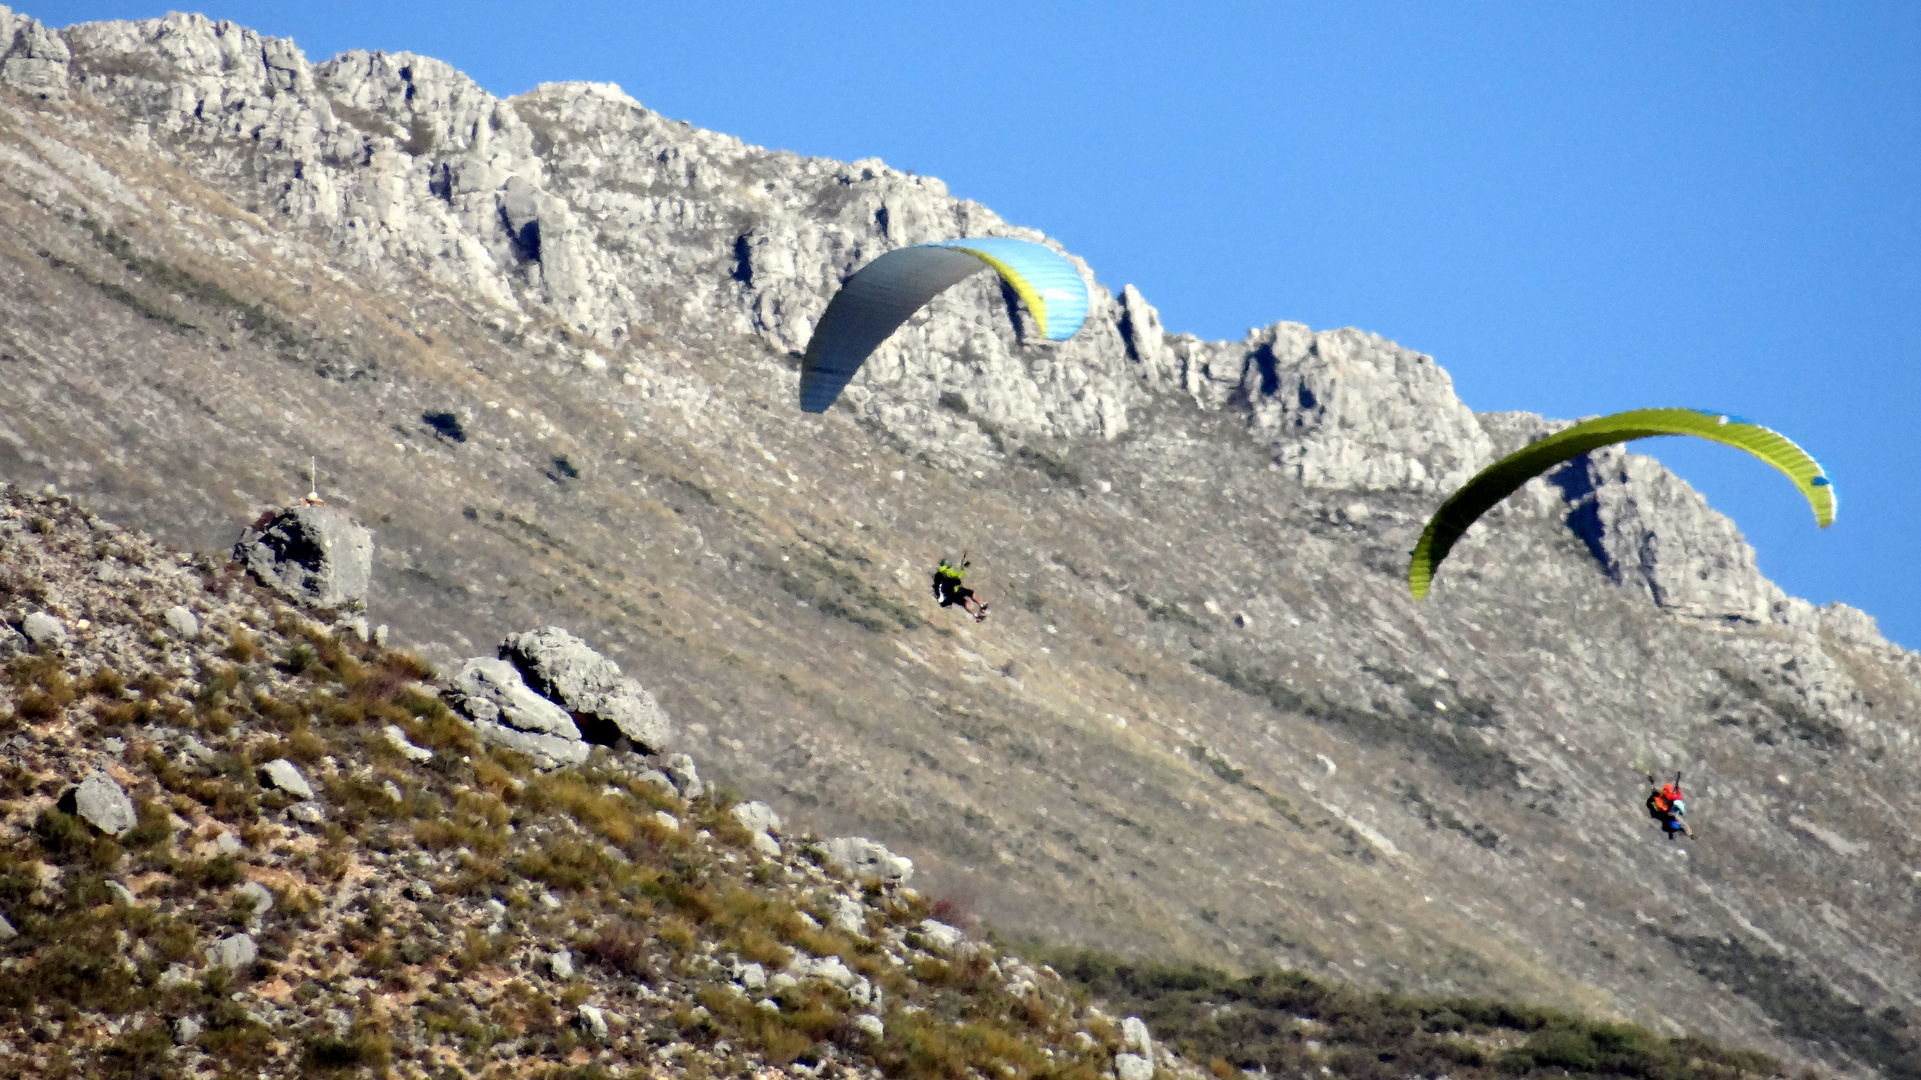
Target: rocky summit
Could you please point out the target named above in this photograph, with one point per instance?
(545, 350)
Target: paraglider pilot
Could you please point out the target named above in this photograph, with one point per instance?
(949, 590)
(1666, 804)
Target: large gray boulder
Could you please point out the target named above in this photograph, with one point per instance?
(185, 624)
(860, 857)
(312, 553)
(44, 630)
(940, 935)
(233, 953)
(255, 897)
(593, 1022)
(285, 775)
(101, 803)
(1139, 1039)
(685, 778)
(756, 817)
(607, 705)
(504, 711)
(1138, 1062)
(760, 819)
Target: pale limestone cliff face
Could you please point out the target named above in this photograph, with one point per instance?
(34, 59)
(1340, 408)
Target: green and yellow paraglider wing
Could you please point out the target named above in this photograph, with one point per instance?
(1504, 477)
(886, 292)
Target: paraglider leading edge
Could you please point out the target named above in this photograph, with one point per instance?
(1504, 477)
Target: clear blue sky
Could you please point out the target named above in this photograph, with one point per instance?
(1575, 207)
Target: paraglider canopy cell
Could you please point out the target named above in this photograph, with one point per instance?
(1504, 477)
(873, 303)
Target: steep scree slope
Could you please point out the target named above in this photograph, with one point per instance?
(546, 346)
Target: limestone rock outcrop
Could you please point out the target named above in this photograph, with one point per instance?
(1655, 535)
(504, 711)
(33, 58)
(406, 164)
(552, 696)
(607, 705)
(860, 857)
(1340, 409)
(315, 554)
(1648, 531)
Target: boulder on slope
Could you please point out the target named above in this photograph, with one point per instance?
(311, 553)
(505, 712)
(607, 706)
(101, 803)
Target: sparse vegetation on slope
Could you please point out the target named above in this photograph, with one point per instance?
(1288, 1024)
(1805, 1006)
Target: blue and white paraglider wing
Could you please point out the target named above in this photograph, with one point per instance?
(886, 292)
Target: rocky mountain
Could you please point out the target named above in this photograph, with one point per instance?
(546, 347)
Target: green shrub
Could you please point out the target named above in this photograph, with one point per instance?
(621, 949)
(235, 1038)
(219, 872)
(299, 659)
(141, 1052)
(61, 833)
(107, 683)
(153, 825)
(45, 688)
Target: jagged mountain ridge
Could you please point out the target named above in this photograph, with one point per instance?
(220, 258)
